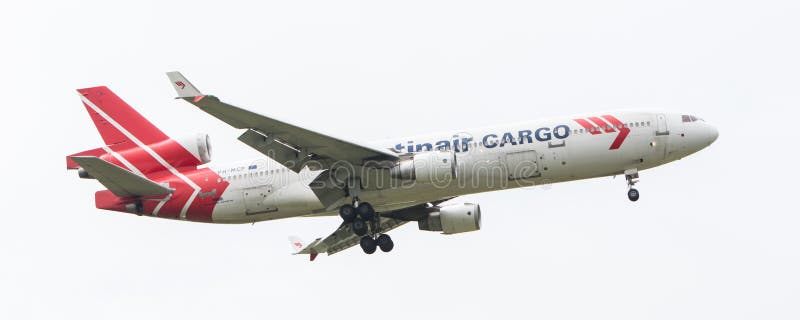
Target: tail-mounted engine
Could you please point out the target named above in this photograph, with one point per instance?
(190, 151)
(430, 167)
(199, 145)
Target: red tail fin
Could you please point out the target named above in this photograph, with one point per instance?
(116, 121)
(132, 142)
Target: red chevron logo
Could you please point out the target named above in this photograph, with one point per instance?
(606, 124)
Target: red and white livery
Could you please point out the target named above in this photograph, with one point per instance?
(374, 186)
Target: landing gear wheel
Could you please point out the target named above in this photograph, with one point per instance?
(359, 227)
(385, 242)
(348, 213)
(632, 175)
(633, 194)
(365, 211)
(368, 245)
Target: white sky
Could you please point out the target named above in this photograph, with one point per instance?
(715, 235)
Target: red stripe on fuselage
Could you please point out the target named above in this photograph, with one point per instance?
(602, 124)
(212, 186)
(586, 125)
(623, 131)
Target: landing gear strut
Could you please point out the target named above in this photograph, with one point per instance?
(632, 175)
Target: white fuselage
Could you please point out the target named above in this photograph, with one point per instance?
(492, 158)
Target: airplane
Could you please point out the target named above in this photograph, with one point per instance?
(374, 187)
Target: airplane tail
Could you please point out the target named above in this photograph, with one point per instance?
(134, 143)
(116, 121)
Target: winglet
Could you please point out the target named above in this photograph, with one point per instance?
(182, 85)
(296, 243)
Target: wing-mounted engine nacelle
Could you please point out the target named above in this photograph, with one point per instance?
(199, 145)
(428, 167)
(456, 218)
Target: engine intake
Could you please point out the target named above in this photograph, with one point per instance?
(453, 219)
(431, 166)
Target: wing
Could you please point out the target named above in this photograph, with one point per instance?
(344, 238)
(119, 181)
(288, 144)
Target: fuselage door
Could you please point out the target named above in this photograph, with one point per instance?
(254, 199)
(522, 165)
(661, 125)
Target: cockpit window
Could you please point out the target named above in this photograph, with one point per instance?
(688, 118)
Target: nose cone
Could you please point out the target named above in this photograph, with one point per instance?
(708, 134)
(700, 135)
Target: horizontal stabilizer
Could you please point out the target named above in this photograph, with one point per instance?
(119, 181)
(94, 153)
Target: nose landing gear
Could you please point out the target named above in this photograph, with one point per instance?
(633, 194)
(632, 175)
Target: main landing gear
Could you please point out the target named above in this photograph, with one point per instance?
(364, 223)
(370, 243)
(358, 215)
(632, 175)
